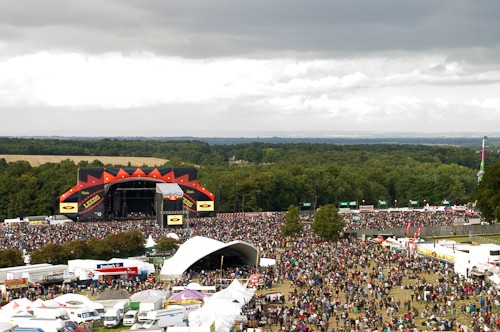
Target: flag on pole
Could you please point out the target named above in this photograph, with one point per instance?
(418, 231)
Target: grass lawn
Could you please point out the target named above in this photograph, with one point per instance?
(116, 329)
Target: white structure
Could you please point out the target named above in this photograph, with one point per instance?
(85, 269)
(468, 259)
(199, 247)
(223, 308)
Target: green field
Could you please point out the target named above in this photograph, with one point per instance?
(461, 239)
(116, 329)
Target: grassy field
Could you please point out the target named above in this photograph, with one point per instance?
(461, 239)
(37, 160)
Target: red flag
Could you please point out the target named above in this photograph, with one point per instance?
(408, 228)
(418, 231)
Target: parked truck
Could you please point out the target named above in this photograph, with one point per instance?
(173, 316)
(147, 305)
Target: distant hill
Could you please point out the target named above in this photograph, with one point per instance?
(471, 141)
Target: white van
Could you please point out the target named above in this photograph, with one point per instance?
(113, 317)
(130, 318)
(82, 314)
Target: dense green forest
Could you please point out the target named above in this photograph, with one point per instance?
(275, 176)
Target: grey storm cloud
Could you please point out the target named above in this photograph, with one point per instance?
(248, 67)
(250, 28)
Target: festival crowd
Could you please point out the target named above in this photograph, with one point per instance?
(347, 285)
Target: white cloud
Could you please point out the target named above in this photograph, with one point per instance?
(404, 93)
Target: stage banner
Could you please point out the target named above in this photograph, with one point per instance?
(204, 206)
(174, 220)
(68, 207)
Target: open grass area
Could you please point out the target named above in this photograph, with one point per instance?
(461, 239)
(116, 329)
(37, 160)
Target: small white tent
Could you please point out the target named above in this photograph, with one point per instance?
(150, 243)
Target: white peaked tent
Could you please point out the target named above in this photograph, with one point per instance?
(235, 293)
(22, 304)
(223, 307)
(150, 243)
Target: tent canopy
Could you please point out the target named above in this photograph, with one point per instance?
(169, 189)
(198, 248)
(188, 294)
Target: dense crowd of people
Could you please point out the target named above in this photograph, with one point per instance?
(346, 285)
(393, 219)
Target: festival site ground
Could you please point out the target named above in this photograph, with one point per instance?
(346, 285)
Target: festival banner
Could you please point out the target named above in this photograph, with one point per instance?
(408, 228)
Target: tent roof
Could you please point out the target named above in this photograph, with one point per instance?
(147, 294)
(199, 247)
(187, 294)
(169, 189)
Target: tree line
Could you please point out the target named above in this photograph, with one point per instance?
(126, 244)
(276, 176)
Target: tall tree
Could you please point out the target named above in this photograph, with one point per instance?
(165, 243)
(488, 193)
(328, 222)
(293, 225)
(10, 258)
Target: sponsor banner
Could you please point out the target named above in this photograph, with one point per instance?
(107, 265)
(120, 270)
(38, 222)
(16, 283)
(204, 206)
(91, 206)
(187, 202)
(68, 208)
(432, 253)
(173, 220)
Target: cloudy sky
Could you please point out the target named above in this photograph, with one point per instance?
(231, 68)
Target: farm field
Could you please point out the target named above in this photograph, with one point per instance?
(37, 160)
